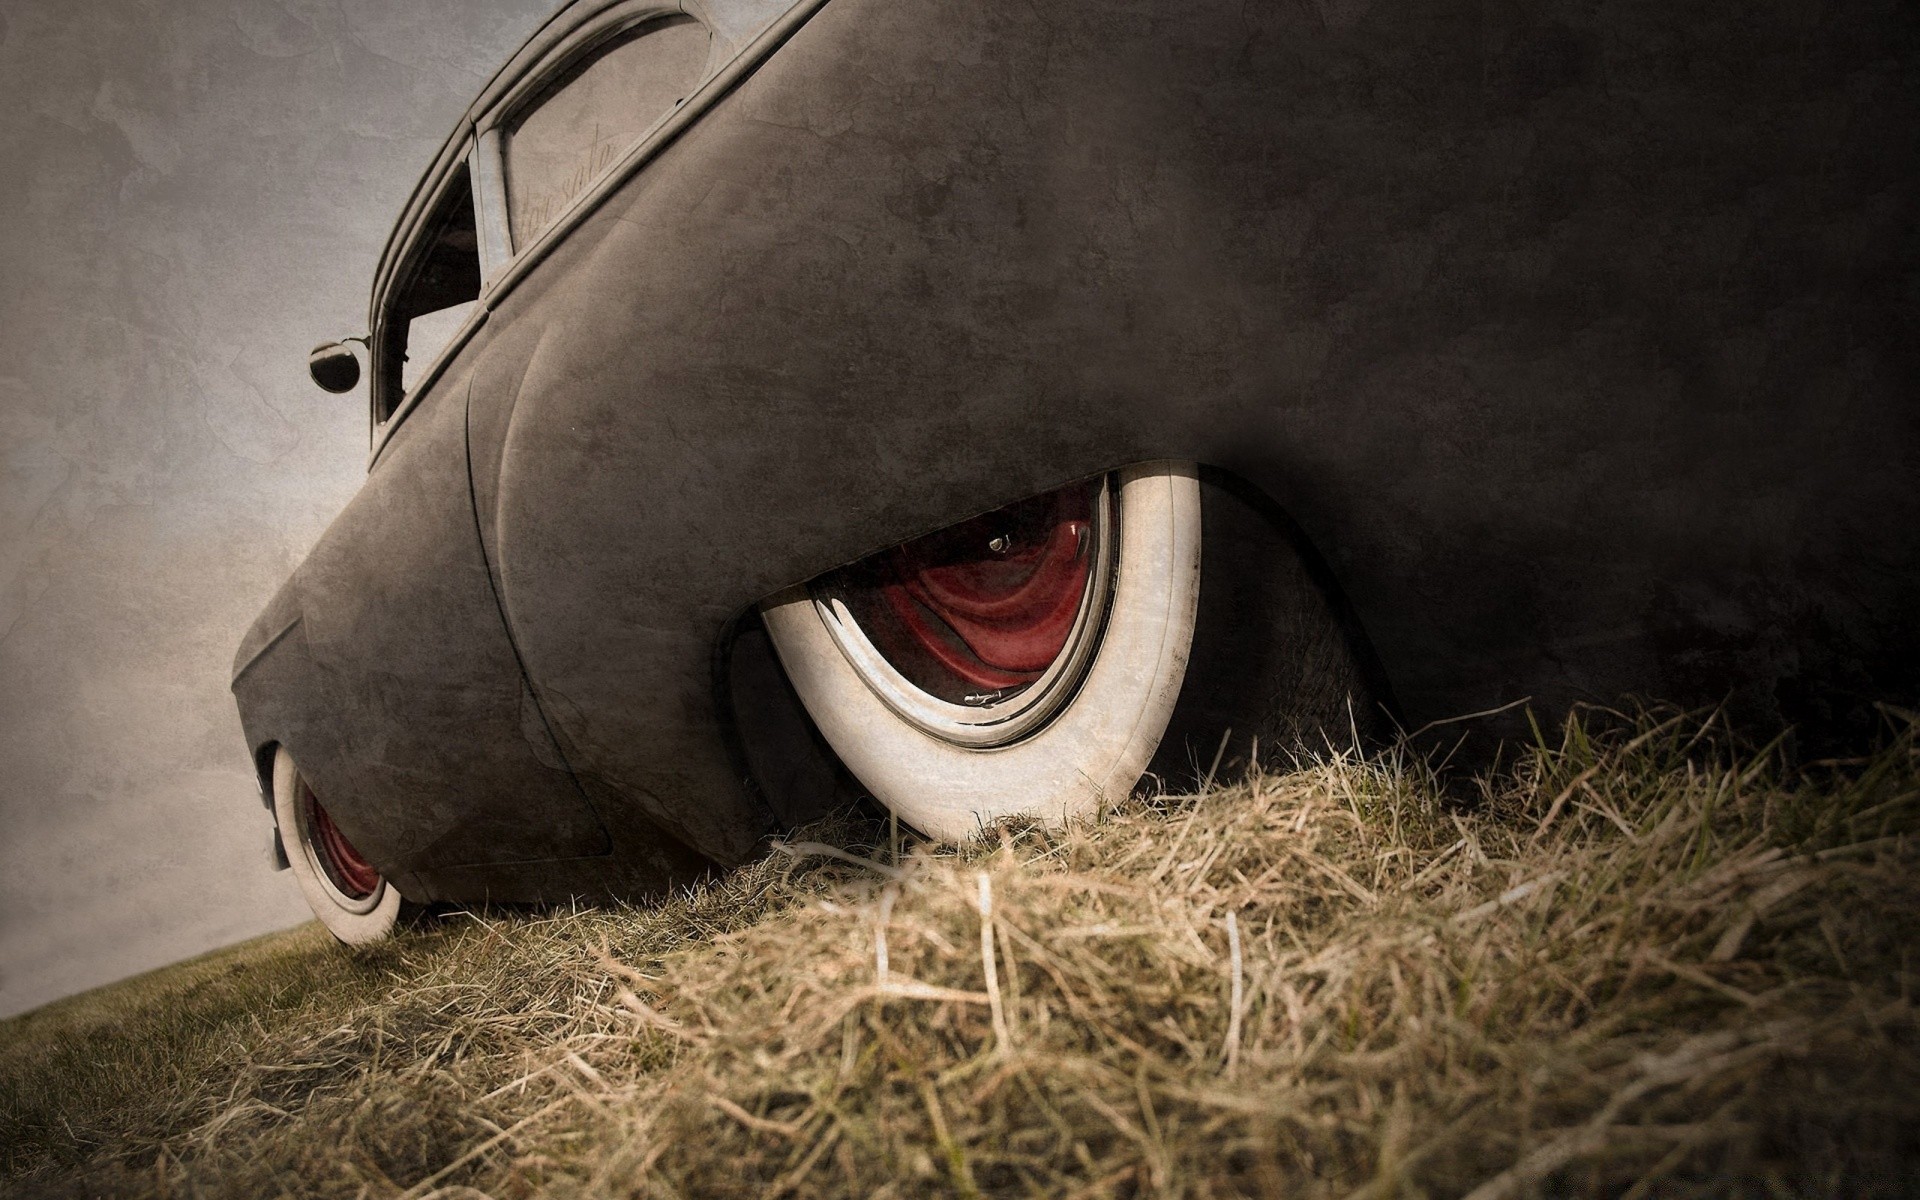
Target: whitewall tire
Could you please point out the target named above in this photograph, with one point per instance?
(354, 902)
(1077, 732)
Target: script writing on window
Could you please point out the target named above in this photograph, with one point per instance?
(582, 123)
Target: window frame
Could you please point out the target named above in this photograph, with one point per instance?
(426, 201)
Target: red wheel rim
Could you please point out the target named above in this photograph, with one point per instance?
(984, 608)
(353, 875)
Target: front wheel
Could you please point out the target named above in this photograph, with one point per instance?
(1024, 663)
(352, 899)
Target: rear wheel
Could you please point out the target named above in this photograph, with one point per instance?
(352, 899)
(1023, 663)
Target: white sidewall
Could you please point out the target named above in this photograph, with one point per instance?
(352, 927)
(1092, 752)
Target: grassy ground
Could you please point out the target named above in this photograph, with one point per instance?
(1639, 964)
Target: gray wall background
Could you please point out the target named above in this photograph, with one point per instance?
(193, 194)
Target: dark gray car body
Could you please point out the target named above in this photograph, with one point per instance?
(1576, 339)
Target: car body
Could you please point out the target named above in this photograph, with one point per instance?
(1575, 345)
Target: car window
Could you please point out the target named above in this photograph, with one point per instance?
(583, 121)
(437, 289)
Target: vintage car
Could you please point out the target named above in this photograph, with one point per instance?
(999, 404)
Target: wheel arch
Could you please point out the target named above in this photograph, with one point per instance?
(263, 756)
(1320, 570)
(1301, 667)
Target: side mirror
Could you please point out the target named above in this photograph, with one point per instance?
(334, 367)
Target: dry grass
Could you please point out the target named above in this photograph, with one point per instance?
(1639, 964)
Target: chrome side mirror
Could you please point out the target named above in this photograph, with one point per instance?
(333, 366)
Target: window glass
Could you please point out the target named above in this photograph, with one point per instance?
(427, 334)
(436, 292)
(592, 114)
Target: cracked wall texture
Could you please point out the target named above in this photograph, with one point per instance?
(195, 193)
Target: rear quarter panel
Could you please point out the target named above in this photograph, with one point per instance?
(1567, 335)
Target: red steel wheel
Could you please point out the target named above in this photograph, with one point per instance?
(352, 874)
(349, 895)
(994, 600)
(977, 613)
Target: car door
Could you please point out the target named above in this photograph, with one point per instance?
(429, 750)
